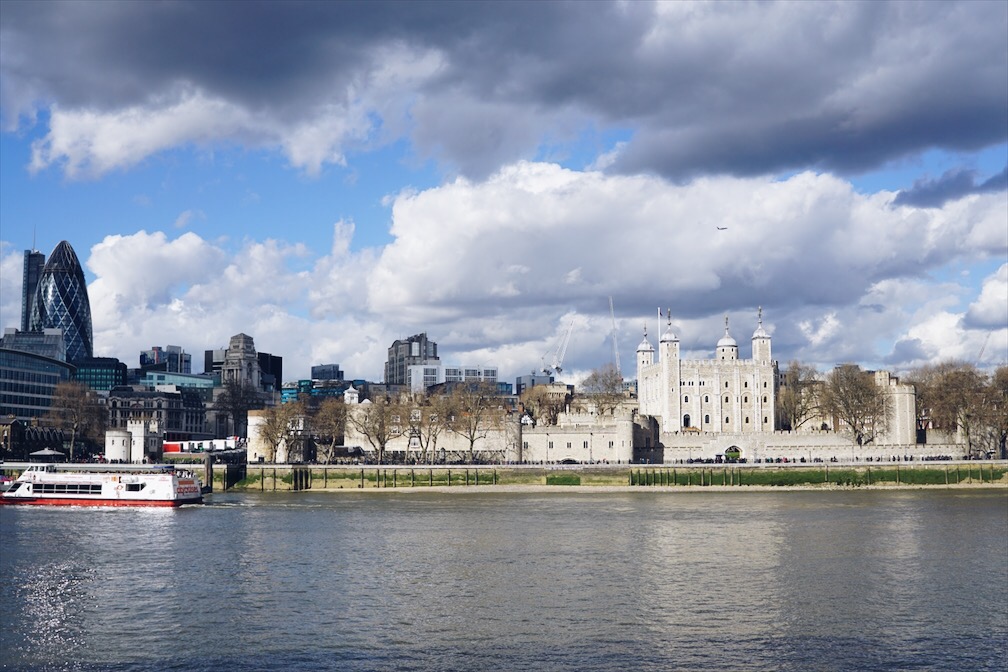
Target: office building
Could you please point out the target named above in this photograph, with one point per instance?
(171, 359)
(61, 302)
(47, 343)
(403, 354)
(326, 372)
(28, 382)
(34, 262)
(101, 374)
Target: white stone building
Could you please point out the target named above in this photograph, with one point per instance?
(722, 394)
(141, 441)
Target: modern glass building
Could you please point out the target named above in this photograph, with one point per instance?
(171, 359)
(34, 262)
(27, 383)
(101, 374)
(61, 302)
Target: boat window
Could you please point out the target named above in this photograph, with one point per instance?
(134, 487)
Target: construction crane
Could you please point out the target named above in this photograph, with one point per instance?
(558, 356)
(984, 346)
(615, 347)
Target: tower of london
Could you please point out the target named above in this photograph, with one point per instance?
(721, 394)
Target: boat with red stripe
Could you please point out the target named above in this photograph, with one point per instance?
(104, 485)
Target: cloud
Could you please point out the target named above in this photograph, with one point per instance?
(11, 265)
(495, 270)
(953, 184)
(703, 89)
(990, 310)
(182, 221)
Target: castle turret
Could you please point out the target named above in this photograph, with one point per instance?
(727, 348)
(645, 353)
(669, 341)
(761, 342)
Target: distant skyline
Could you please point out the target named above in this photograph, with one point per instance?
(329, 177)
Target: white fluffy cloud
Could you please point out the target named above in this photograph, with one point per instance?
(495, 270)
(990, 309)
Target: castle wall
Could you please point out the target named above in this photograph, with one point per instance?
(810, 446)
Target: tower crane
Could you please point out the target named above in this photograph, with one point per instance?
(984, 346)
(558, 356)
(615, 347)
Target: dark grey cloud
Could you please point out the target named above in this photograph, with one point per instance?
(710, 88)
(952, 185)
(906, 352)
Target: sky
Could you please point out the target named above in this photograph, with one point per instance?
(329, 177)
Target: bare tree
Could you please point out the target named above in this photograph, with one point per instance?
(77, 410)
(329, 424)
(543, 403)
(603, 389)
(956, 397)
(236, 399)
(475, 412)
(378, 421)
(281, 425)
(798, 399)
(427, 420)
(856, 403)
(999, 400)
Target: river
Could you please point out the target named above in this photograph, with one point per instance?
(428, 581)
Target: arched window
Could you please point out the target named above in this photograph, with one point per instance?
(726, 421)
(685, 399)
(747, 419)
(706, 419)
(726, 399)
(764, 398)
(745, 399)
(706, 399)
(686, 420)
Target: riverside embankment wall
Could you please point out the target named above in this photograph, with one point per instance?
(317, 478)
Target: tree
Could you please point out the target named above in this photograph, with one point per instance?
(474, 413)
(427, 419)
(236, 399)
(329, 425)
(603, 389)
(76, 409)
(281, 425)
(377, 420)
(958, 398)
(856, 403)
(798, 400)
(544, 403)
(999, 398)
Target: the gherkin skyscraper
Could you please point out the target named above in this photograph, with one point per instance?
(61, 301)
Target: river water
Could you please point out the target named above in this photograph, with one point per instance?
(849, 580)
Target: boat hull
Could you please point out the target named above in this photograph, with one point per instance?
(104, 485)
(73, 501)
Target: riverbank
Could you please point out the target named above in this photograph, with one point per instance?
(610, 478)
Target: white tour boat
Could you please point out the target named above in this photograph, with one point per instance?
(104, 485)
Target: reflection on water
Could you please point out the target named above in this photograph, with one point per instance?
(596, 581)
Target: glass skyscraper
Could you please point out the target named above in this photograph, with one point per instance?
(34, 262)
(61, 302)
